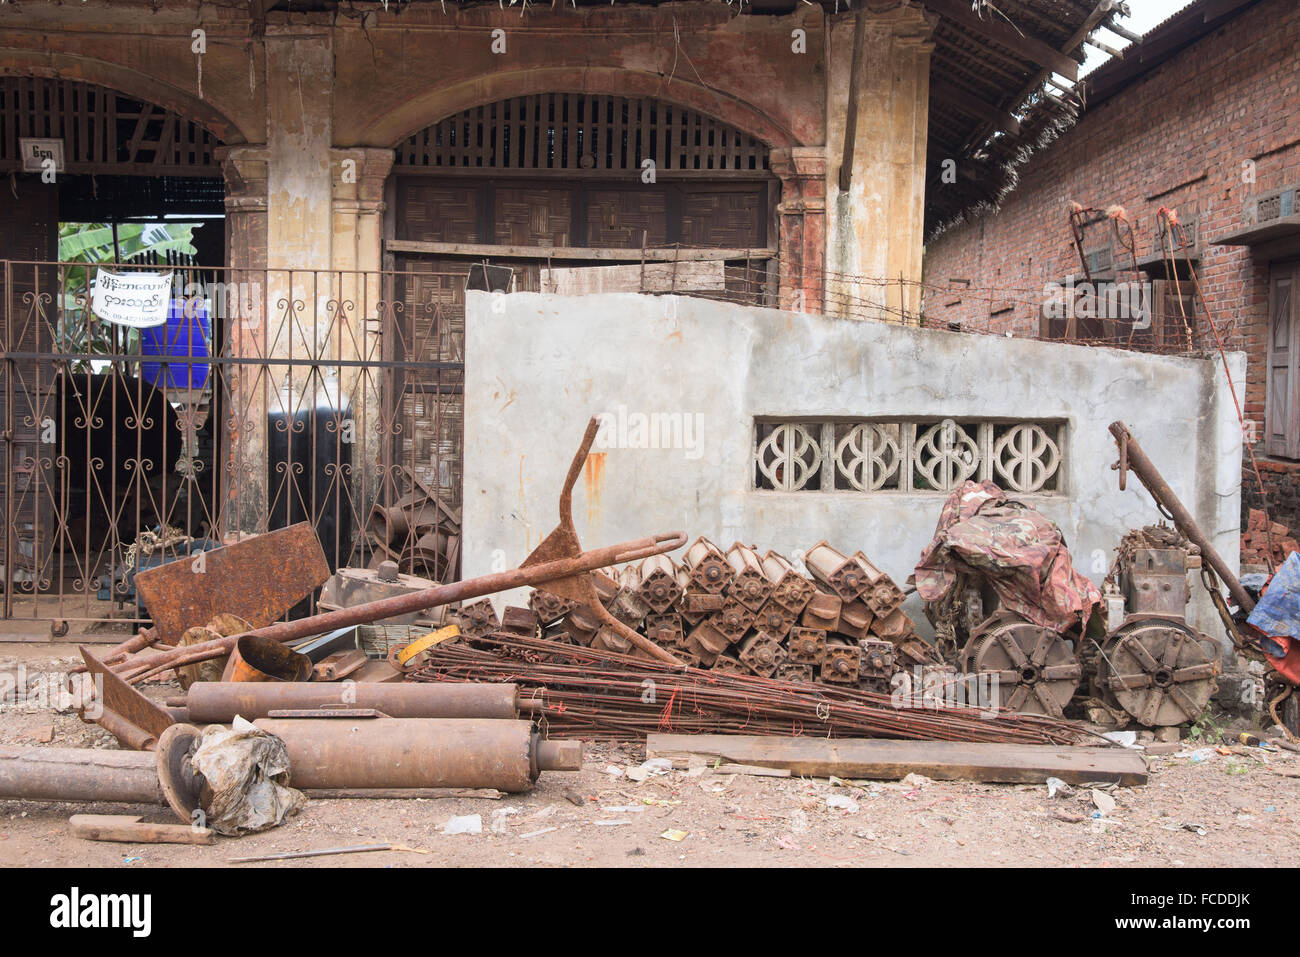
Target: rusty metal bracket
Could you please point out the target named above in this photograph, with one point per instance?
(124, 712)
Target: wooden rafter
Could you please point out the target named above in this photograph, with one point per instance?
(969, 103)
(1004, 34)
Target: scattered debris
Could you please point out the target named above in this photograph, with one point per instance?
(1103, 802)
(465, 824)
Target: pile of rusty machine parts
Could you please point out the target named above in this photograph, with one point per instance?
(359, 738)
(1008, 599)
(743, 612)
(418, 533)
(1152, 664)
(1140, 657)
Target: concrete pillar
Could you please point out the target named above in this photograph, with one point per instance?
(874, 230)
(802, 211)
(299, 88)
(306, 234)
(358, 288)
(242, 306)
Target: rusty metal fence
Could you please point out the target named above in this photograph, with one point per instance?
(269, 397)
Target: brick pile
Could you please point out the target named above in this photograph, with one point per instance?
(1255, 540)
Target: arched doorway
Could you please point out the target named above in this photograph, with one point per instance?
(557, 188)
(97, 440)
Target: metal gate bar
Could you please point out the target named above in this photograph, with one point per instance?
(270, 397)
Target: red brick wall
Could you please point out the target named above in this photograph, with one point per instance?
(1176, 137)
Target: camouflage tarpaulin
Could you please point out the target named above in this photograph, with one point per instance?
(1020, 552)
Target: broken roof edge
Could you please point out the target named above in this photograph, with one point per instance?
(1053, 129)
(1165, 41)
(1161, 43)
(1043, 116)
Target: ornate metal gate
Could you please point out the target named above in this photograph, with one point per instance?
(269, 397)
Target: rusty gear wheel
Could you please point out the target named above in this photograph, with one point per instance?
(1037, 673)
(1157, 671)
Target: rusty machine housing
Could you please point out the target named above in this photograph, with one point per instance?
(1152, 665)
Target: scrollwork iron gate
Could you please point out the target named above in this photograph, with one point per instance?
(269, 397)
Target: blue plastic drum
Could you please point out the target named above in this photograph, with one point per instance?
(183, 342)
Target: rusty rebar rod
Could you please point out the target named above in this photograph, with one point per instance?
(594, 693)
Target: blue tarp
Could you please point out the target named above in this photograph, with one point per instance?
(1278, 611)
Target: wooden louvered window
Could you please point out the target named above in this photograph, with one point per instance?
(103, 131)
(582, 132)
(1282, 416)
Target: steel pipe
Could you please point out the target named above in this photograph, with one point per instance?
(418, 753)
(79, 774)
(217, 702)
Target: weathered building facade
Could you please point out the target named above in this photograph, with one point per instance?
(1202, 119)
(358, 160)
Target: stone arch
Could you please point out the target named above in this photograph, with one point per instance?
(128, 82)
(429, 108)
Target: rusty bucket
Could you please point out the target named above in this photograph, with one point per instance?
(261, 659)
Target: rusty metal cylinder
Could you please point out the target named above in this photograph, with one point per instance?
(261, 659)
(79, 774)
(218, 702)
(418, 753)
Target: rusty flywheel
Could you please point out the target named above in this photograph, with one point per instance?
(1036, 671)
(1157, 671)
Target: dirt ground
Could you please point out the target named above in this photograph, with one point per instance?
(1232, 806)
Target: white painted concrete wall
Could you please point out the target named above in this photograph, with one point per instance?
(538, 367)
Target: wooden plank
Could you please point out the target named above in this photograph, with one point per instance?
(888, 759)
(129, 829)
(574, 252)
(652, 277)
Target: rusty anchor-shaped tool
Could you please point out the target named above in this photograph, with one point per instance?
(563, 543)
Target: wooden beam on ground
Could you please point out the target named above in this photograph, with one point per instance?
(129, 829)
(888, 759)
(999, 31)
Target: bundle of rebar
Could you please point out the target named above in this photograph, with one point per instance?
(597, 694)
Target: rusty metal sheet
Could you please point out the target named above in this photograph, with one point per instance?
(131, 717)
(258, 579)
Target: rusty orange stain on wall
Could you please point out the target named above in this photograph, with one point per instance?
(593, 474)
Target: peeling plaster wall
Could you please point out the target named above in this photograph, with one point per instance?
(538, 367)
